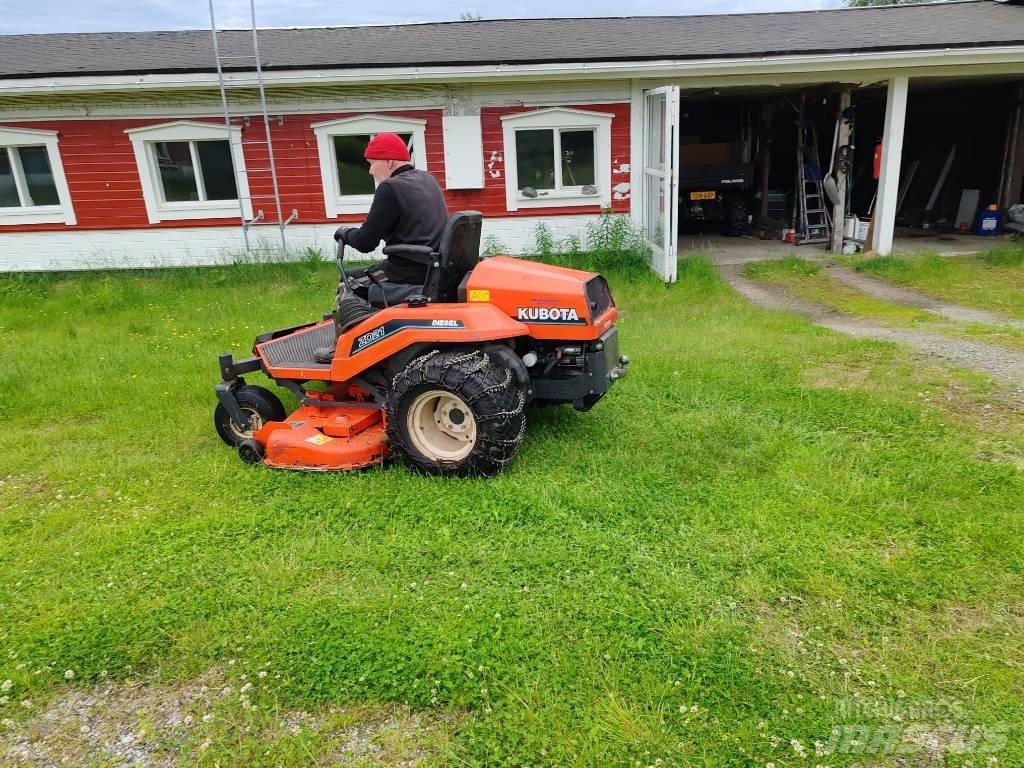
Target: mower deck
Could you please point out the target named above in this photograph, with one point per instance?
(331, 436)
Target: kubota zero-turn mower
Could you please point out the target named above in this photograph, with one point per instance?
(437, 374)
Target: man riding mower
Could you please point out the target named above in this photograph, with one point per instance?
(440, 379)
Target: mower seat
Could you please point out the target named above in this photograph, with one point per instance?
(456, 256)
(382, 295)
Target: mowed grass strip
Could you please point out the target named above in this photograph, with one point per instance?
(805, 280)
(993, 280)
(761, 529)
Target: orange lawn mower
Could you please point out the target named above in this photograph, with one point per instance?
(438, 374)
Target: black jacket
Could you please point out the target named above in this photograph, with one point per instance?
(408, 209)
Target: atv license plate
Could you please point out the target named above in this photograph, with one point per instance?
(702, 195)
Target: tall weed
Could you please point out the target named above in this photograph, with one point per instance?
(611, 243)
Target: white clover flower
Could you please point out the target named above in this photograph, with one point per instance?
(68, 674)
(263, 673)
(6, 685)
(4, 699)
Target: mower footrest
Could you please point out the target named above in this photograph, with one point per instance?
(351, 421)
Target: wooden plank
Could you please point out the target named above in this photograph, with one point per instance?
(839, 174)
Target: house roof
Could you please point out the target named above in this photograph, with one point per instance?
(971, 23)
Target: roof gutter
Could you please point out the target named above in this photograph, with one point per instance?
(883, 63)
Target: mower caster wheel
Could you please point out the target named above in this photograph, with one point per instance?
(456, 413)
(251, 451)
(258, 404)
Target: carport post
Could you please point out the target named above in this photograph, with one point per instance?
(892, 154)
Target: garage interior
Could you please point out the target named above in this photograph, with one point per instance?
(960, 177)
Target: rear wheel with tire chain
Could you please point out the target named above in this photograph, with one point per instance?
(456, 413)
(259, 405)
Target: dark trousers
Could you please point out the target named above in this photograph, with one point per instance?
(361, 280)
(372, 285)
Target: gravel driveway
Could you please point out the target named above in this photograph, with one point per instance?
(1002, 363)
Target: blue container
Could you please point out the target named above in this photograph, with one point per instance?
(990, 222)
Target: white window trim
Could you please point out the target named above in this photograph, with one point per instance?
(152, 191)
(336, 204)
(557, 118)
(39, 214)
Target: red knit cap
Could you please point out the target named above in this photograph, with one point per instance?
(386, 146)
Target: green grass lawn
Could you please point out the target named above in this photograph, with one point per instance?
(993, 280)
(767, 535)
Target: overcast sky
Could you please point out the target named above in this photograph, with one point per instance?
(118, 15)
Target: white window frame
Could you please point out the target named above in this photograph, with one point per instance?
(336, 204)
(64, 212)
(157, 209)
(557, 119)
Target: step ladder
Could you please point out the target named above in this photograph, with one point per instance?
(267, 209)
(813, 225)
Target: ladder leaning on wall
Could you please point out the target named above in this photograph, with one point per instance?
(272, 199)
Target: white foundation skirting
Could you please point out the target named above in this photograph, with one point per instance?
(201, 246)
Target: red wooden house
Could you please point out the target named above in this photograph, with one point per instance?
(114, 149)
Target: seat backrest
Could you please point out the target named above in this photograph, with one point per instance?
(458, 253)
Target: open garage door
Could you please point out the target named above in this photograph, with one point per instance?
(661, 178)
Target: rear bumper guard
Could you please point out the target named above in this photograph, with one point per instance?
(602, 367)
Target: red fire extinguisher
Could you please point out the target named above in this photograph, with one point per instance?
(876, 162)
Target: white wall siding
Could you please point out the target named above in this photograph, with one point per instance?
(194, 246)
(463, 98)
